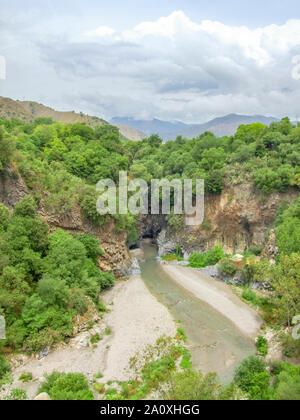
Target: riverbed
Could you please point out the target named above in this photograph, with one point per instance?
(215, 342)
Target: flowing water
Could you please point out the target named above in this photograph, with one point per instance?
(215, 343)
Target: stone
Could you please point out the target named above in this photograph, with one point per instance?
(42, 397)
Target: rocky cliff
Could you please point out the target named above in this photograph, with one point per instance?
(241, 216)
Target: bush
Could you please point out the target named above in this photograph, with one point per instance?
(26, 208)
(25, 377)
(17, 395)
(99, 388)
(79, 301)
(252, 378)
(95, 338)
(250, 296)
(227, 268)
(107, 280)
(66, 387)
(212, 257)
(192, 385)
(4, 366)
(262, 345)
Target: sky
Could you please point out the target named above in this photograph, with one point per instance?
(174, 60)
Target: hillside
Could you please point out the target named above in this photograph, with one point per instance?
(28, 111)
(169, 130)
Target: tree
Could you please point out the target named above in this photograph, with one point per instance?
(4, 217)
(286, 283)
(6, 149)
(246, 374)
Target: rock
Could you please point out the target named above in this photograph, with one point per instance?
(135, 269)
(165, 246)
(271, 250)
(12, 187)
(236, 219)
(44, 354)
(42, 397)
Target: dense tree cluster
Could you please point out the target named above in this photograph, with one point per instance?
(45, 279)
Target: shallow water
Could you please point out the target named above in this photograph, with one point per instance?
(215, 343)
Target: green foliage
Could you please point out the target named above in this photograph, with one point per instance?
(270, 180)
(252, 378)
(171, 257)
(291, 347)
(25, 377)
(16, 394)
(4, 366)
(191, 385)
(45, 279)
(286, 284)
(95, 338)
(212, 257)
(4, 217)
(66, 387)
(99, 388)
(227, 268)
(262, 345)
(6, 149)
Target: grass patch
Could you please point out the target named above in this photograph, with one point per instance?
(107, 331)
(25, 377)
(95, 338)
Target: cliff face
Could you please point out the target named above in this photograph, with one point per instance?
(236, 219)
(116, 256)
(12, 187)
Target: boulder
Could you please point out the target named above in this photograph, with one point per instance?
(42, 397)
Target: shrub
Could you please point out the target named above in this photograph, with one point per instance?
(100, 388)
(17, 395)
(66, 387)
(4, 366)
(249, 375)
(212, 257)
(26, 208)
(95, 338)
(262, 345)
(25, 377)
(107, 280)
(79, 301)
(227, 268)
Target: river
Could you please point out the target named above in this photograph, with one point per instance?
(215, 343)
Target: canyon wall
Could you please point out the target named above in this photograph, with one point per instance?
(241, 216)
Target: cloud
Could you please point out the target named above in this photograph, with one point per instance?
(171, 68)
(101, 31)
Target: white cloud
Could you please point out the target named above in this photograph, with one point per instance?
(101, 31)
(172, 68)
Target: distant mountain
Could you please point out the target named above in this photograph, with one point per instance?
(155, 126)
(223, 126)
(130, 133)
(28, 111)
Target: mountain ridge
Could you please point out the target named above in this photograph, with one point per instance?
(169, 130)
(28, 111)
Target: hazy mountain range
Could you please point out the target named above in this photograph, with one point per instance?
(130, 128)
(169, 130)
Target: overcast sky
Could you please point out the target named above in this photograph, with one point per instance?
(189, 60)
